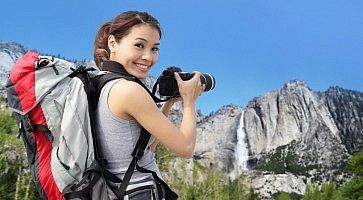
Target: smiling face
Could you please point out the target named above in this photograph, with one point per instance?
(137, 51)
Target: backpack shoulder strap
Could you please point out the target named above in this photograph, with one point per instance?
(117, 68)
(137, 154)
(118, 71)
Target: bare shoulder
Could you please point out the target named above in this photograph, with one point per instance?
(127, 97)
(129, 89)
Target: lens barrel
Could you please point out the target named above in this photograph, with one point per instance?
(208, 80)
(168, 85)
(205, 78)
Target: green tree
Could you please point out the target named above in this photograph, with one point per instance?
(212, 184)
(15, 179)
(7, 123)
(287, 196)
(353, 189)
(355, 164)
(283, 196)
(327, 191)
(312, 192)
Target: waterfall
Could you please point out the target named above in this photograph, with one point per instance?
(241, 150)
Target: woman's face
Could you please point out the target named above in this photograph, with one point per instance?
(137, 51)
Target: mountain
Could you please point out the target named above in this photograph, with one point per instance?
(283, 139)
(9, 53)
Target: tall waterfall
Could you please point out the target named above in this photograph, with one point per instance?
(241, 150)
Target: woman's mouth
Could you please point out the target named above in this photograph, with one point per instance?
(142, 67)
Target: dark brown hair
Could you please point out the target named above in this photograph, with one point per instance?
(119, 27)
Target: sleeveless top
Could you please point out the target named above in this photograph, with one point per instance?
(117, 139)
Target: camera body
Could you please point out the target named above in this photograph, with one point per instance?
(168, 85)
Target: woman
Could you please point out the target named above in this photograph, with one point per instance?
(132, 40)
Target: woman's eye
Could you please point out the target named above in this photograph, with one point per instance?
(155, 49)
(139, 45)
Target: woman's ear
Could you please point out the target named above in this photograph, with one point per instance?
(112, 43)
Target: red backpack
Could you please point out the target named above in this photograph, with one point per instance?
(54, 102)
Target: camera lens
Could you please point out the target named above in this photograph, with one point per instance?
(208, 80)
(205, 78)
(168, 85)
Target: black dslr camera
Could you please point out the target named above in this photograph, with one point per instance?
(168, 85)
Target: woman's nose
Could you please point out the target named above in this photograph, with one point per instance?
(147, 55)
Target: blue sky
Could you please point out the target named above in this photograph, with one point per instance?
(251, 47)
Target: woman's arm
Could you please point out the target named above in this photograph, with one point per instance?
(129, 100)
(165, 110)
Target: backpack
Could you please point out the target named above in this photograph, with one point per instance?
(54, 102)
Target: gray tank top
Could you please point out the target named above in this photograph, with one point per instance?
(117, 139)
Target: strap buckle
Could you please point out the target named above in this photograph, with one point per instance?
(26, 124)
(139, 153)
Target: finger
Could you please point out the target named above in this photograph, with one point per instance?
(177, 77)
(196, 75)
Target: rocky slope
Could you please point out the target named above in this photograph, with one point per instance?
(346, 109)
(9, 53)
(293, 135)
(217, 138)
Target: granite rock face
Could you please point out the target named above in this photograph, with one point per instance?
(309, 135)
(269, 184)
(346, 109)
(9, 53)
(293, 112)
(217, 138)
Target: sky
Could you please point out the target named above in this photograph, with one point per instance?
(250, 47)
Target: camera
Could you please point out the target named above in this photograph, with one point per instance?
(168, 85)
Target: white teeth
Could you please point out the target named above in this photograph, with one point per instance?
(142, 66)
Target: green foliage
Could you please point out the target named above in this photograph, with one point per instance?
(7, 123)
(8, 130)
(206, 183)
(163, 156)
(287, 196)
(354, 188)
(212, 184)
(355, 164)
(328, 191)
(15, 179)
(283, 196)
(2, 99)
(275, 162)
(312, 192)
(282, 160)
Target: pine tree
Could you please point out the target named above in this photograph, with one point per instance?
(354, 188)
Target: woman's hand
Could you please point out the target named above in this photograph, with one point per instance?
(191, 89)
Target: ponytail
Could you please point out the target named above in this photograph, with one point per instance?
(101, 50)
